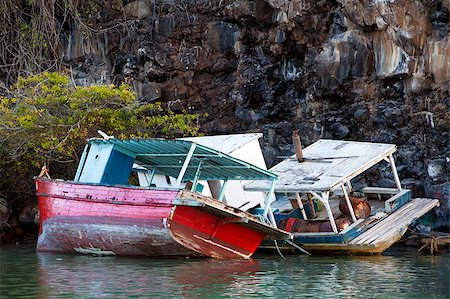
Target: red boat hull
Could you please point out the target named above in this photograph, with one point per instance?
(134, 221)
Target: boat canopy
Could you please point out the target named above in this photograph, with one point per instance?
(184, 159)
(327, 164)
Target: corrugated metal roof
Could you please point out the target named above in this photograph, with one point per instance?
(327, 163)
(225, 143)
(167, 158)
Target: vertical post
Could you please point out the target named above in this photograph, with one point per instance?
(185, 164)
(349, 204)
(324, 200)
(197, 175)
(300, 205)
(222, 191)
(152, 175)
(267, 203)
(349, 186)
(394, 171)
(311, 205)
(81, 163)
(272, 218)
(267, 208)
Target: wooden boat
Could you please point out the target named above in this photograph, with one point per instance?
(320, 177)
(100, 212)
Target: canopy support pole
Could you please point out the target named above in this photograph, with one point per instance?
(185, 164)
(267, 209)
(324, 200)
(222, 191)
(394, 171)
(152, 175)
(349, 204)
(349, 186)
(197, 176)
(300, 205)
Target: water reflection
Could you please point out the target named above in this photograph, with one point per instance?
(399, 274)
(103, 277)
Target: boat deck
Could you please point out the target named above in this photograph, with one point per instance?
(396, 223)
(383, 234)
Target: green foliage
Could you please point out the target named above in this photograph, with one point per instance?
(45, 120)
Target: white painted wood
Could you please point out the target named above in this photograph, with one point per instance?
(225, 143)
(327, 163)
(222, 191)
(379, 190)
(395, 223)
(394, 172)
(185, 164)
(325, 197)
(349, 204)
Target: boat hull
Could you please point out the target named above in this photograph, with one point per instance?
(109, 236)
(105, 220)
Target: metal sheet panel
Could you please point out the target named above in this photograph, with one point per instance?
(167, 158)
(326, 164)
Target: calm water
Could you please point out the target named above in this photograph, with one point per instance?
(400, 273)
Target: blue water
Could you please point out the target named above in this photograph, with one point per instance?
(399, 273)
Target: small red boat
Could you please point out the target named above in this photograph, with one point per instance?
(101, 213)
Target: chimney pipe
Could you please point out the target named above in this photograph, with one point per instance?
(297, 145)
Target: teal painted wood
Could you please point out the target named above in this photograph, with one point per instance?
(105, 165)
(96, 161)
(397, 201)
(329, 239)
(165, 155)
(118, 169)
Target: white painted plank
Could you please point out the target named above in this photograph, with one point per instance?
(225, 143)
(396, 222)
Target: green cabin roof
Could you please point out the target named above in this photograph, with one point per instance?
(167, 157)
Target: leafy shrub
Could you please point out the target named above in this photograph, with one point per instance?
(44, 119)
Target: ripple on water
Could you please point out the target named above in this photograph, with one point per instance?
(397, 274)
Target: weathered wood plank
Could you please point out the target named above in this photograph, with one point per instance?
(396, 222)
(379, 190)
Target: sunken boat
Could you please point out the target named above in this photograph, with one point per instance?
(322, 202)
(101, 212)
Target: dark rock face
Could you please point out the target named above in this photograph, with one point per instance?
(359, 70)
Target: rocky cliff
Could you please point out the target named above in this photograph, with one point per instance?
(347, 69)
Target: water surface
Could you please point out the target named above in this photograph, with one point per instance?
(399, 273)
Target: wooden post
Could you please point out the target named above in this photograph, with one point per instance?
(394, 171)
(311, 205)
(300, 205)
(349, 204)
(186, 164)
(324, 200)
